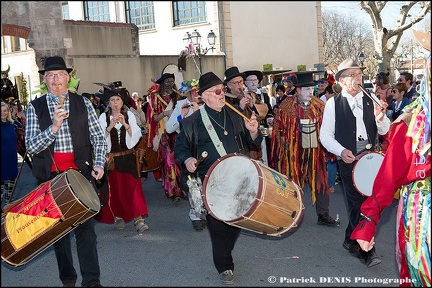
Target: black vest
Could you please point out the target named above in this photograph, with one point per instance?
(80, 134)
(345, 124)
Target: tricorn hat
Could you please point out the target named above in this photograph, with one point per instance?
(164, 76)
(231, 73)
(54, 63)
(257, 73)
(305, 79)
(347, 64)
(207, 81)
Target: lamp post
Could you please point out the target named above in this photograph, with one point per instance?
(361, 58)
(195, 39)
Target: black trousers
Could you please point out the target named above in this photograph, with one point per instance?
(223, 238)
(353, 199)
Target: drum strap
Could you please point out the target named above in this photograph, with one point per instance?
(212, 132)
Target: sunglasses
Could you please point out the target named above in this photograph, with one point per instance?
(218, 91)
(321, 82)
(394, 91)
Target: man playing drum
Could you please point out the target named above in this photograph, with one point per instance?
(217, 130)
(352, 122)
(62, 132)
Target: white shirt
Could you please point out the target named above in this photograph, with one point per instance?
(327, 132)
(131, 141)
(323, 98)
(172, 125)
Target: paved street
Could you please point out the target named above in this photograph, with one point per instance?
(171, 253)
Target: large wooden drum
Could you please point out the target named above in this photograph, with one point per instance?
(246, 193)
(42, 217)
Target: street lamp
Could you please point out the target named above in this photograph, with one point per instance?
(195, 39)
(361, 58)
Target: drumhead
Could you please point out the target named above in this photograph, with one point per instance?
(365, 171)
(231, 186)
(83, 190)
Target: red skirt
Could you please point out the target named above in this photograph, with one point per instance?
(125, 199)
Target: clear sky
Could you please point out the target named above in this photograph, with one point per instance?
(390, 13)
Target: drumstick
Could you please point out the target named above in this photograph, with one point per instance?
(203, 156)
(91, 167)
(235, 110)
(368, 147)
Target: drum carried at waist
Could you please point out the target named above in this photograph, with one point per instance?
(245, 193)
(42, 217)
(365, 171)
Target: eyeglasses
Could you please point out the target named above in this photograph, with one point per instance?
(352, 75)
(240, 82)
(394, 91)
(218, 91)
(51, 76)
(252, 80)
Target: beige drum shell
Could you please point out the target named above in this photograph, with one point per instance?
(246, 193)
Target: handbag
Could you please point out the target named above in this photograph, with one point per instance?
(309, 137)
(139, 159)
(109, 164)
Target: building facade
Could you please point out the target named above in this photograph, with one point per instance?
(146, 36)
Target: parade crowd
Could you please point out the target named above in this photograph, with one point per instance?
(310, 132)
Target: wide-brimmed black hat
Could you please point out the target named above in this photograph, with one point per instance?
(305, 79)
(122, 93)
(55, 63)
(165, 76)
(207, 81)
(257, 73)
(231, 73)
(347, 64)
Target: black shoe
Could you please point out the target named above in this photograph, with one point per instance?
(326, 219)
(176, 200)
(204, 223)
(227, 277)
(354, 249)
(198, 225)
(371, 259)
